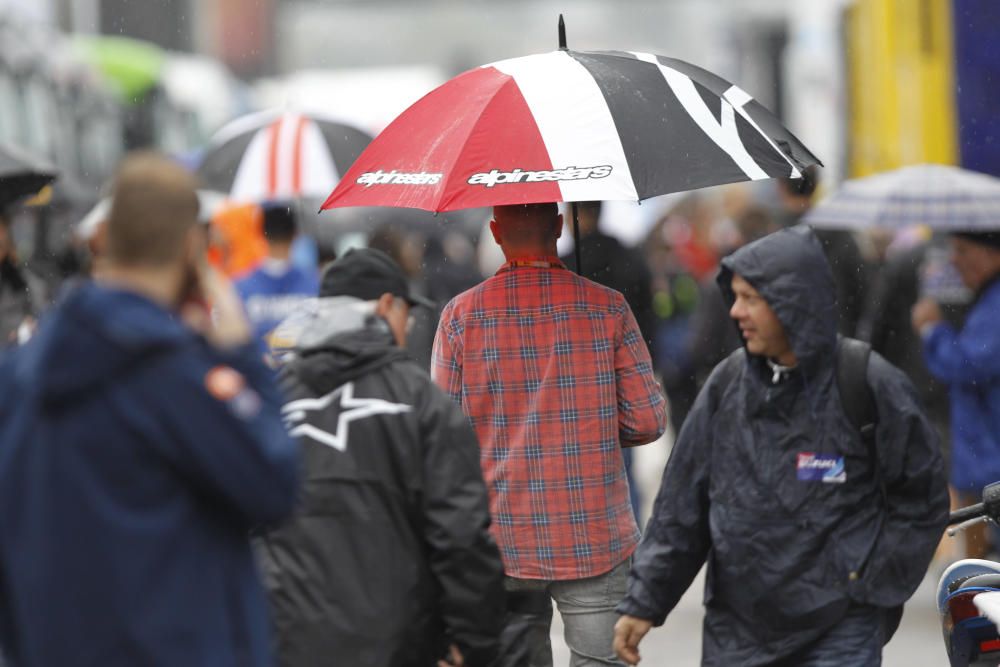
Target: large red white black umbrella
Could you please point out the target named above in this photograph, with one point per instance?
(570, 126)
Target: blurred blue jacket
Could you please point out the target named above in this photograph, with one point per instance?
(273, 291)
(969, 362)
(134, 460)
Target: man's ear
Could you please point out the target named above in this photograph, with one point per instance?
(559, 225)
(495, 230)
(384, 304)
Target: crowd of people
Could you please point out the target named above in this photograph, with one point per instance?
(391, 459)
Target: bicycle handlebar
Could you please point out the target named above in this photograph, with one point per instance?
(963, 514)
(989, 508)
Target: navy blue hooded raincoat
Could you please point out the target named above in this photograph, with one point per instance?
(788, 553)
(134, 460)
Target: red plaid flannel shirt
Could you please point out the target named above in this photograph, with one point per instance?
(555, 377)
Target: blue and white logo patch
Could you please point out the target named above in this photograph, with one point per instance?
(828, 468)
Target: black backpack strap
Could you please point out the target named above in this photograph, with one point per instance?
(857, 398)
(858, 401)
(852, 383)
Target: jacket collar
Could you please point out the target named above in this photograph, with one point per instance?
(533, 261)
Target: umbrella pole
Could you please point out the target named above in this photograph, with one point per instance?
(576, 240)
(576, 216)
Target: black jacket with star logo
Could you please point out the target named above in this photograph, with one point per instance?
(388, 559)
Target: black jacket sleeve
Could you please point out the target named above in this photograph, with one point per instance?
(677, 538)
(462, 555)
(916, 491)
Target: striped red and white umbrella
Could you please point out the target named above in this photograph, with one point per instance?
(570, 126)
(274, 155)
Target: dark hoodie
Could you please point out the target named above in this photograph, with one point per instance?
(127, 490)
(389, 557)
(788, 556)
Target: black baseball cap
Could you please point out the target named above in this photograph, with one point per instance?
(367, 273)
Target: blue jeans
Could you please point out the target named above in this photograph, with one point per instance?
(856, 641)
(587, 607)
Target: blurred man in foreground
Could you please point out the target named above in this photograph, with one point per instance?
(140, 440)
(389, 559)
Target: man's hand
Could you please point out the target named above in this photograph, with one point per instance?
(925, 312)
(226, 325)
(629, 631)
(454, 659)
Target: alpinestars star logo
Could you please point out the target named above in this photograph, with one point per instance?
(496, 177)
(350, 409)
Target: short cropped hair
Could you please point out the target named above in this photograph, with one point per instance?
(515, 213)
(153, 206)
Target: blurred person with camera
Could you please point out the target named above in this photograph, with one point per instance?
(142, 441)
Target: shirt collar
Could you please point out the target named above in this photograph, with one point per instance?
(534, 261)
(779, 373)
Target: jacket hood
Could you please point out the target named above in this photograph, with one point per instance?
(791, 272)
(93, 335)
(333, 340)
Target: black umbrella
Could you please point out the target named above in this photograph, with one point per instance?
(21, 174)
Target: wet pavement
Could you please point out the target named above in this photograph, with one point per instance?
(917, 643)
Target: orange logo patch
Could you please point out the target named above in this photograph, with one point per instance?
(224, 383)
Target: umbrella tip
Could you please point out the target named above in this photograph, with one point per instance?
(562, 33)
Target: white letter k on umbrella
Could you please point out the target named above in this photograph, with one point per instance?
(350, 409)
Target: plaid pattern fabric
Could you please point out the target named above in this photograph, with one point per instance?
(555, 377)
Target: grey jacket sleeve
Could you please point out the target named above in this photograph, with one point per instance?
(916, 490)
(462, 555)
(677, 538)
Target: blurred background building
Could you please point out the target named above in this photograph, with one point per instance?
(869, 85)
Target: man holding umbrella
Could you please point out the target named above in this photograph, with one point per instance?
(550, 367)
(552, 371)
